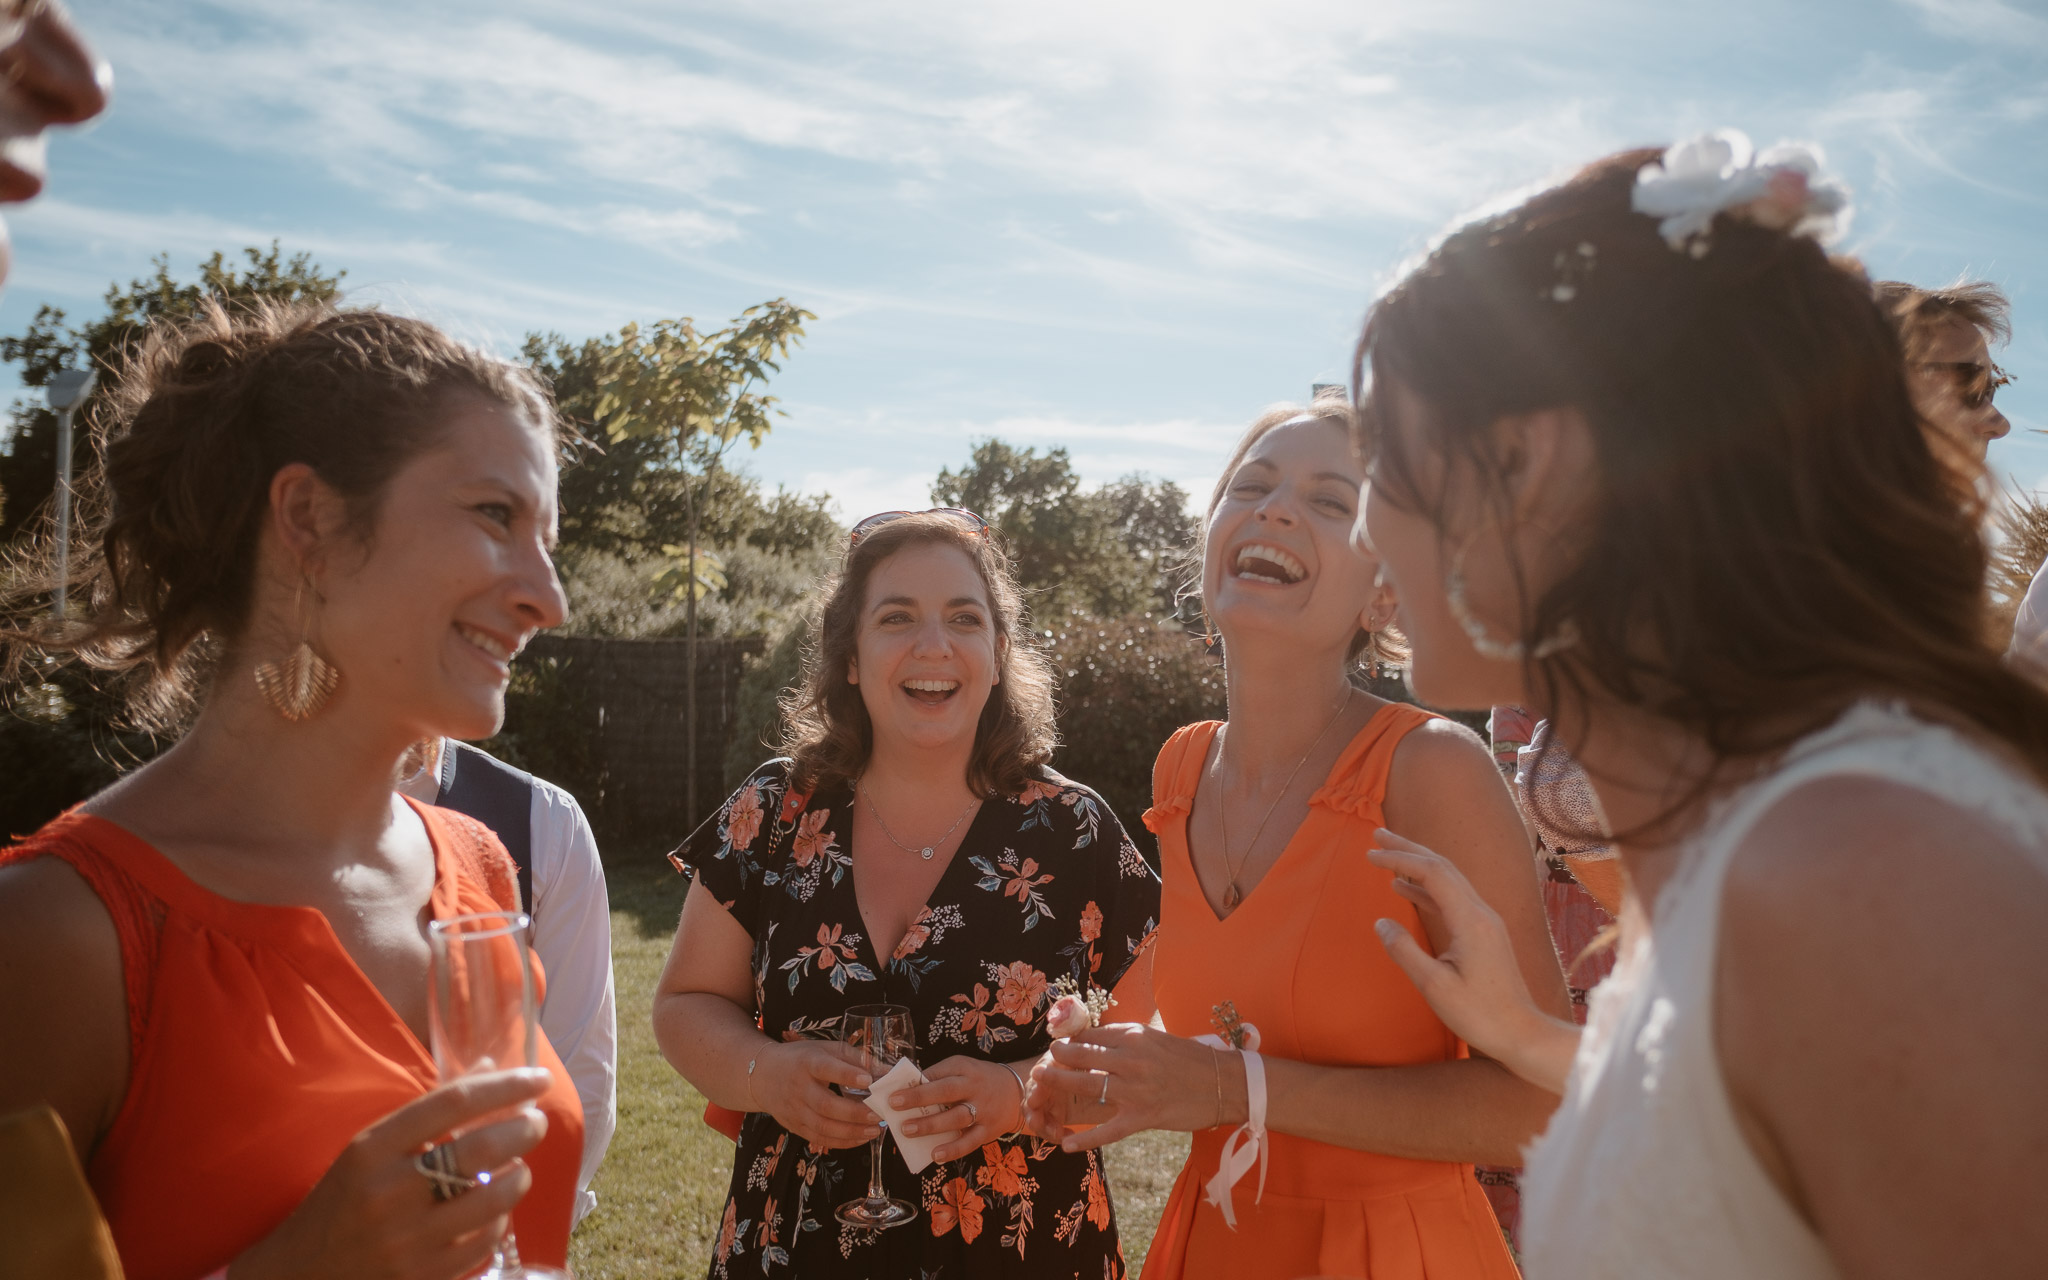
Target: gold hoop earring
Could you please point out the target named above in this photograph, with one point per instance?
(1483, 640)
(300, 686)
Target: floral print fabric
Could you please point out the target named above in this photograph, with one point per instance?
(1045, 885)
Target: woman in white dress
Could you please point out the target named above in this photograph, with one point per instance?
(1644, 461)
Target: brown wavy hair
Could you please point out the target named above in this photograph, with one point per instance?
(1371, 650)
(161, 579)
(826, 727)
(1772, 538)
(1917, 312)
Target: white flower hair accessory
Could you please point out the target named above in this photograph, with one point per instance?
(1784, 188)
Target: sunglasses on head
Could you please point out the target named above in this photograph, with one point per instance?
(958, 515)
(1976, 384)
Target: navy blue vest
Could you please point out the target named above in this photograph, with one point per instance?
(495, 794)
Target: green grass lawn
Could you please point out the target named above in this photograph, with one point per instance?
(662, 1186)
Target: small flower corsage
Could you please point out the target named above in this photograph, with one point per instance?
(1247, 1144)
(1074, 1011)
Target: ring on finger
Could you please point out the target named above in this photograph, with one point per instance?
(1103, 1098)
(437, 1165)
(973, 1112)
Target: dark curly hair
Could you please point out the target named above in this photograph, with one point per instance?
(203, 415)
(826, 725)
(1772, 538)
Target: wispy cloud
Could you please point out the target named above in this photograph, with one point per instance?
(1115, 227)
(1990, 21)
(1215, 121)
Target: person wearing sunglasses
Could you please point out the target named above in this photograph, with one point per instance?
(1946, 334)
(912, 848)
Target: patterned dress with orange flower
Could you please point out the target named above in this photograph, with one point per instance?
(1045, 885)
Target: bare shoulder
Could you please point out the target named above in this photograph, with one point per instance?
(1880, 901)
(1443, 791)
(1441, 762)
(51, 918)
(62, 1000)
(1880, 974)
(1842, 856)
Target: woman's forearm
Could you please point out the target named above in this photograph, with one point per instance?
(1542, 1052)
(709, 1040)
(1473, 1110)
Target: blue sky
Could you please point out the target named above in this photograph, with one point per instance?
(1119, 227)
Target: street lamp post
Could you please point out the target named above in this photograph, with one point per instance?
(66, 390)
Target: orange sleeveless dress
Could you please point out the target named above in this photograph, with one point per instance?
(1299, 959)
(257, 1049)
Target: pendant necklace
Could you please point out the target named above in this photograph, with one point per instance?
(1232, 895)
(928, 850)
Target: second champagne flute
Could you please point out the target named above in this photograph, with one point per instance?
(881, 1034)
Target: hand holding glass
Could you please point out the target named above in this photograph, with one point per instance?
(482, 1016)
(881, 1034)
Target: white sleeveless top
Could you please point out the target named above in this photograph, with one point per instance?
(1643, 1171)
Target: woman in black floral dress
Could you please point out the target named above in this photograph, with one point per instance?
(915, 850)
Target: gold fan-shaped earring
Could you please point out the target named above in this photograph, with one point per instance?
(299, 686)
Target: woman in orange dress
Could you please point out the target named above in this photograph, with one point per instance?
(216, 969)
(1372, 1112)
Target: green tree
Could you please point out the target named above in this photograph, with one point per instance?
(626, 499)
(1151, 517)
(1105, 553)
(1125, 685)
(50, 343)
(693, 396)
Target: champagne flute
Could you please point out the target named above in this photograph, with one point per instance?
(481, 1017)
(881, 1034)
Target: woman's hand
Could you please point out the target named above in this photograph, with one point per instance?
(793, 1082)
(1475, 984)
(373, 1214)
(982, 1103)
(1049, 1112)
(1046, 1109)
(1132, 1078)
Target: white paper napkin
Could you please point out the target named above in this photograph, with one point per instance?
(916, 1149)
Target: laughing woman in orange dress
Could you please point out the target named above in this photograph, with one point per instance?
(1373, 1112)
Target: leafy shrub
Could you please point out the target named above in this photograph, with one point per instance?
(1125, 685)
(611, 593)
(757, 722)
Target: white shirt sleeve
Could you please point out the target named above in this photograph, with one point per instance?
(572, 933)
(2030, 628)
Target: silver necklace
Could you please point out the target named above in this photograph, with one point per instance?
(928, 850)
(1232, 895)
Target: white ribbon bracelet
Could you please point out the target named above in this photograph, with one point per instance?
(1247, 1145)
